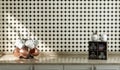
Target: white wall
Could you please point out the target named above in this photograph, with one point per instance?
(59, 25)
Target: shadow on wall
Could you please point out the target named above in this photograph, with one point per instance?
(12, 29)
(14, 26)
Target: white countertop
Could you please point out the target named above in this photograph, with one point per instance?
(59, 59)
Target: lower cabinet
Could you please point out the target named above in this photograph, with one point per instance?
(48, 67)
(91, 67)
(58, 67)
(77, 67)
(62, 67)
(107, 67)
(15, 67)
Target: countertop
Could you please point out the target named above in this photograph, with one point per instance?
(59, 59)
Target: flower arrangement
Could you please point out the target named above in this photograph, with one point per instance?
(26, 48)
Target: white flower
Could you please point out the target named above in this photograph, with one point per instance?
(36, 42)
(30, 44)
(19, 43)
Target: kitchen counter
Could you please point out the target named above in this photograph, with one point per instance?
(59, 59)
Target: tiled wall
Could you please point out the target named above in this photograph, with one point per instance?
(59, 25)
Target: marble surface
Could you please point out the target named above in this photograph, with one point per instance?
(59, 59)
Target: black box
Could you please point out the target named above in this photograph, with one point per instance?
(97, 50)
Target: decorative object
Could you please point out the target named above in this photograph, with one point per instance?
(95, 37)
(92, 55)
(103, 37)
(93, 47)
(26, 48)
(101, 47)
(102, 55)
(98, 51)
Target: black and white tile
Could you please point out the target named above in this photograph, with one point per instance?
(59, 25)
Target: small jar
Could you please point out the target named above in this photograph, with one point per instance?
(94, 37)
(103, 37)
(92, 47)
(102, 55)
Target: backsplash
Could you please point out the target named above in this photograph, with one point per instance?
(59, 25)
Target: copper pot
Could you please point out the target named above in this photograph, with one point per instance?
(16, 52)
(24, 52)
(34, 52)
